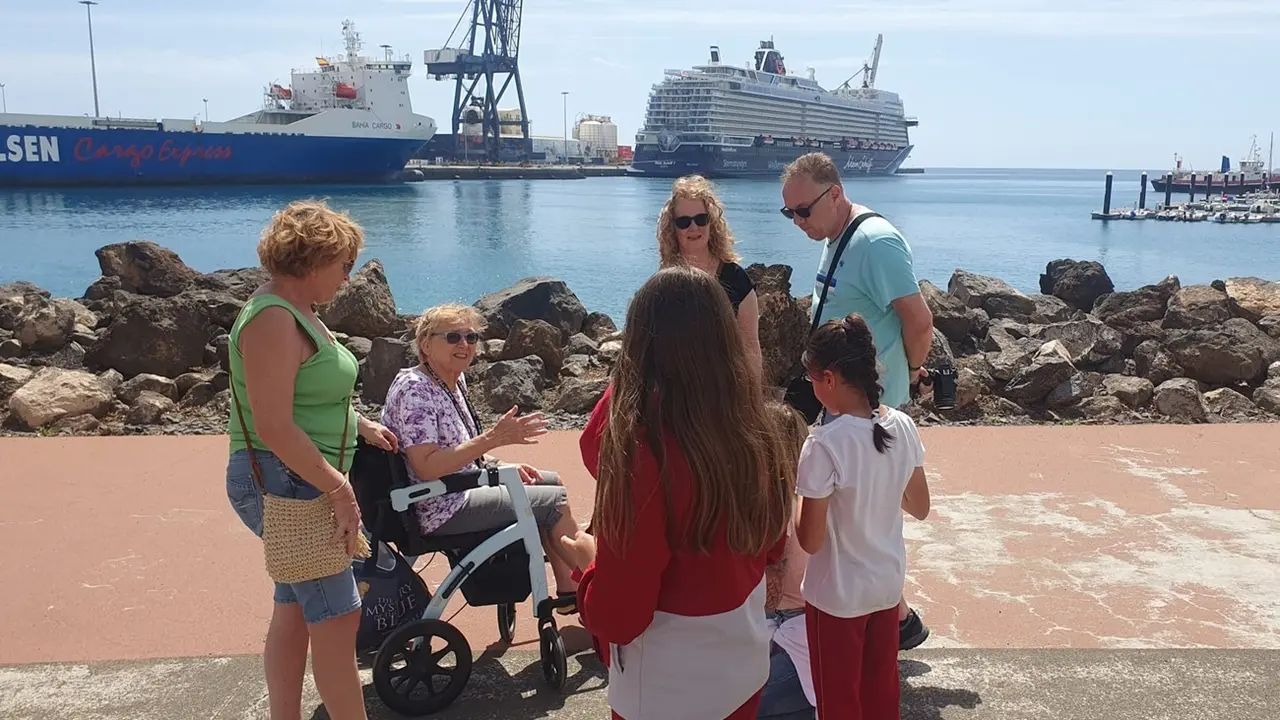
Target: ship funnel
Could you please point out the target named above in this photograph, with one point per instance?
(812, 73)
(715, 55)
(1226, 164)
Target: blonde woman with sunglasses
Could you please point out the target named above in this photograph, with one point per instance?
(692, 231)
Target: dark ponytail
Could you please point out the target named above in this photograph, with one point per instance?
(846, 347)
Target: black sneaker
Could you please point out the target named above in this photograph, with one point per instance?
(912, 631)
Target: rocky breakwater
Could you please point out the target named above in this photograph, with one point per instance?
(145, 349)
(1082, 351)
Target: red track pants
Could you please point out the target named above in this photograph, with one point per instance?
(854, 662)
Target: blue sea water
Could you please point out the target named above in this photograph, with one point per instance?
(456, 240)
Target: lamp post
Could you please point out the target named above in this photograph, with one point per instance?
(206, 109)
(565, 94)
(4, 103)
(93, 65)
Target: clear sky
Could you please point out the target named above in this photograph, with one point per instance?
(1115, 84)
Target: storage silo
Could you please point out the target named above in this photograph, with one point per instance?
(609, 143)
(598, 135)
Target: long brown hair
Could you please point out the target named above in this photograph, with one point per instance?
(719, 238)
(791, 431)
(683, 375)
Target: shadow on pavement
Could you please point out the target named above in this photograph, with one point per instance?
(923, 702)
(507, 683)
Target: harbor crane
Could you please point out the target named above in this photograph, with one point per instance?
(487, 53)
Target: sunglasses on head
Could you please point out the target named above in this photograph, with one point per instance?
(804, 210)
(684, 221)
(455, 337)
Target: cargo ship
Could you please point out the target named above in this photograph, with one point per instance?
(1249, 176)
(348, 120)
(722, 120)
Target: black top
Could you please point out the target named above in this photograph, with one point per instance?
(736, 283)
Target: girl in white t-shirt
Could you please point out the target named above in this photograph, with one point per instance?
(857, 472)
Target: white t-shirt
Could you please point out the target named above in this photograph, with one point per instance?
(861, 566)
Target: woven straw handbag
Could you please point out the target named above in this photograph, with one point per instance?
(298, 536)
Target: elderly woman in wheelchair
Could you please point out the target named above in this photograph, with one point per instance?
(495, 523)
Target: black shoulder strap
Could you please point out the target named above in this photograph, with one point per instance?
(835, 263)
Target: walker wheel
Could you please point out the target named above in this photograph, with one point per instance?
(422, 667)
(555, 662)
(507, 622)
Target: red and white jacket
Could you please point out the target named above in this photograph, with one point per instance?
(684, 634)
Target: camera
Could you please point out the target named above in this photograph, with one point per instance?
(943, 382)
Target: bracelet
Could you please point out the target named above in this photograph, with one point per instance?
(335, 490)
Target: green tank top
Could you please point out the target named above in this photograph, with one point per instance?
(321, 392)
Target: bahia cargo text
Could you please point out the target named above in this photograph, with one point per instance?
(727, 121)
(348, 120)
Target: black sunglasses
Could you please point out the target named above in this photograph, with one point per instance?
(684, 221)
(804, 210)
(455, 337)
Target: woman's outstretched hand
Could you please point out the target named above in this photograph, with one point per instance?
(512, 429)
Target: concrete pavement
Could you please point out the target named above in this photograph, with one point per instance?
(939, 684)
(1053, 553)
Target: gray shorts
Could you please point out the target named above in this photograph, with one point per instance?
(489, 508)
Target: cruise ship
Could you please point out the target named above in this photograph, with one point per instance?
(347, 120)
(722, 120)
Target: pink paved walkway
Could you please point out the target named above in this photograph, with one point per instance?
(1152, 536)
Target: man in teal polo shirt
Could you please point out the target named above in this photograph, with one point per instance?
(875, 278)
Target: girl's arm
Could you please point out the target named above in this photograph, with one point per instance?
(618, 594)
(815, 481)
(915, 499)
(811, 530)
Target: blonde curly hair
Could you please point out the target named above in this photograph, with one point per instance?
(719, 238)
(307, 235)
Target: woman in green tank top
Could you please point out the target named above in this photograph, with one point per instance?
(291, 385)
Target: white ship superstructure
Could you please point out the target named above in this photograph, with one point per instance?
(712, 118)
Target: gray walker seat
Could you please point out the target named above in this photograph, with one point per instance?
(500, 567)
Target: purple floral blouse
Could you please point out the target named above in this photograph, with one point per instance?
(418, 411)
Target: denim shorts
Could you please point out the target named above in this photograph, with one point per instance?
(322, 599)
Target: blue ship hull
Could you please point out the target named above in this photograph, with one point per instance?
(51, 156)
(759, 161)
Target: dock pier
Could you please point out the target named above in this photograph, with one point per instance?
(1261, 206)
(1106, 213)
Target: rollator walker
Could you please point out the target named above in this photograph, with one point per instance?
(500, 567)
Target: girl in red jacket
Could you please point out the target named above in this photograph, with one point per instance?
(691, 504)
